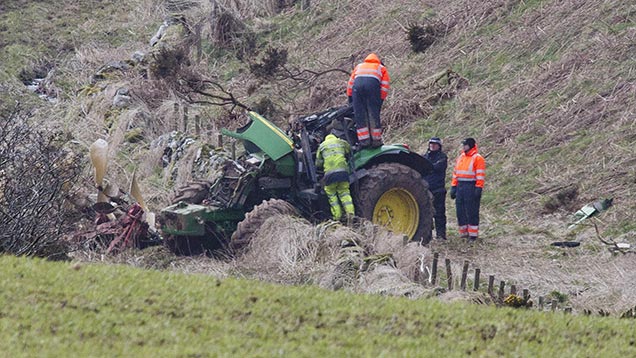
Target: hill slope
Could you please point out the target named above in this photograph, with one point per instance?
(551, 100)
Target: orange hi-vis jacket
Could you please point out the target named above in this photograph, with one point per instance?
(470, 166)
(371, 67)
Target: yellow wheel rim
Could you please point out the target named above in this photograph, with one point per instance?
(397, 210)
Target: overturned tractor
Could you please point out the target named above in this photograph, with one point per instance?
(277, 175)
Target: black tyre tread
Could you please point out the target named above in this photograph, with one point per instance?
(194, 192)
(385, 176)
(246, 229)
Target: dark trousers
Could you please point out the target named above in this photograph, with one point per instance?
(439, 203)
(467, 204)
(367, 102)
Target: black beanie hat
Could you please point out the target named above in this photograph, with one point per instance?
(435, 140)
(470, 142)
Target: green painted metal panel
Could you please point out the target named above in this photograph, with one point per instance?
(362, 157)
(263, 134)
(286, 166)
(185, 219)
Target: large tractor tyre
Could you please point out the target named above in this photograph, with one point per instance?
(396, 197)
(193, 192)
(246, 229)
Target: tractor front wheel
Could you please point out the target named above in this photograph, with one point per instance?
(255, 219)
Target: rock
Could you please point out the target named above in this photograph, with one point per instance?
(138, 57)
(122, 98)
(160, 32)
(110, 68)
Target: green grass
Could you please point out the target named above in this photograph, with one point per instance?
(61, 309)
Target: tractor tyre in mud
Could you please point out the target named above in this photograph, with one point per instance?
(193, 192)
(246, 229)
(396, 197)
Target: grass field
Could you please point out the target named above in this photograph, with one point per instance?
(70, 310)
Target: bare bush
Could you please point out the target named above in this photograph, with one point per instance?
(272, 61)
(36, 175)
(421, 37)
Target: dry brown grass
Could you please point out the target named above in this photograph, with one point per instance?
(589, 276)
(364, 258)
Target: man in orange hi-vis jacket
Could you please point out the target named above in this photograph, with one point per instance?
(367, 88)
(466, 186)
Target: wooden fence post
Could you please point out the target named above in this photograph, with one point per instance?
(526, 294)
(185, 119)
(464, 275)
(449, 274)
(219, 140)
(541, 302)
(175, 108)
(197, 125)
(502, 286)
(513, 289)
(554, 304)
(491, 285)
(434, 269)
(476, 281)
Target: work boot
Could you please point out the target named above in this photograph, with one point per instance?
(440, 235)
(365, 143)
(376, 143)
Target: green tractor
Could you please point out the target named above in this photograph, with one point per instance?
(277, 175)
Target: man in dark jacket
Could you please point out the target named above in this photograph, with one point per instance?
(436, 184)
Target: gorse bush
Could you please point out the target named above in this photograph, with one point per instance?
(36, 177)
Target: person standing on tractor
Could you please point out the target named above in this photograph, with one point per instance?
(437, 184)
(466, 187)
(332, 156)
(367, 88)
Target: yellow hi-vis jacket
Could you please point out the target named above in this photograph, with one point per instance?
(332, 154)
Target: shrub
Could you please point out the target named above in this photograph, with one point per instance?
(36, 177)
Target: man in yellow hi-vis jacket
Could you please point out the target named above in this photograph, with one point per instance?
(332, 155)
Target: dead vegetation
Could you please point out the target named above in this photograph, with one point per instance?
(37, 173)
(422, 37)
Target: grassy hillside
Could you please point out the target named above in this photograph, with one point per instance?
(61, 309)
(550, 98)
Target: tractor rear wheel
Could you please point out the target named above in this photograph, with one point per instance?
(396, 197)
(193, 192)
(255, 219)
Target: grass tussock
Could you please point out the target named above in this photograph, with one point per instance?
(363, 258)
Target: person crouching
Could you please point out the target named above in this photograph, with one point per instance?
(332, 156)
